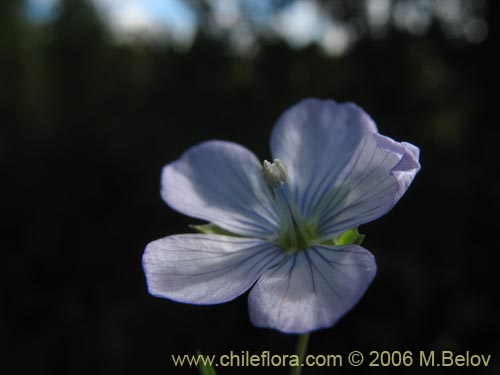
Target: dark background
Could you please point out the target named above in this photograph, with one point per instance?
(86, 125)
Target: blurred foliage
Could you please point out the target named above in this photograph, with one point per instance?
(86, 125)
(363, 17)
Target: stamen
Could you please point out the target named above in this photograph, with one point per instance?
(294, 234)
(275, 173)
(296, 215)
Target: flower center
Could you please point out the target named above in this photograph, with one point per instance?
(295, 233)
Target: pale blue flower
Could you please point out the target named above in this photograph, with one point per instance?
(276, 227)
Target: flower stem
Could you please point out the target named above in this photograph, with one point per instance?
(300, 351)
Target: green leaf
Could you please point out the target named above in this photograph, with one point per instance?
(212, 229)
(349, 237)
(203, 368)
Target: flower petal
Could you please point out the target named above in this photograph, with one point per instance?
(316, 140)
(221, 182)
(312, 289)
(206, 269)
(342, 173)
(407, 168)
(369, 186)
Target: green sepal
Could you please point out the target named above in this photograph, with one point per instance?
(202, 367)
(212, 229)
(349, 237)
(352, 236)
